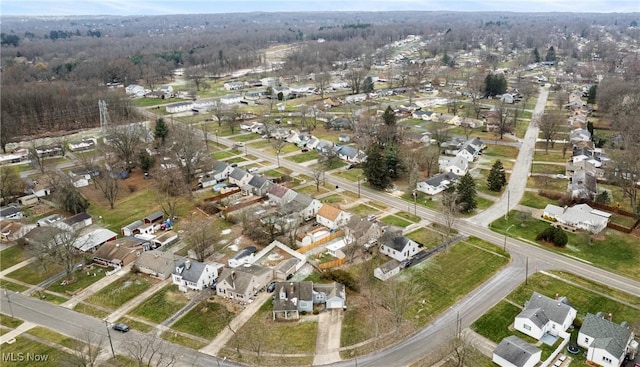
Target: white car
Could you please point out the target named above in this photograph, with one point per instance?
(252, 169)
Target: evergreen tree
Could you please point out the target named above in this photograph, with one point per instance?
(591, 99)
(375, 167)
(466, 189)
(494, 85)
(162, 130)
(394, 164)
(551, 54)
(367, 85)
(496, 179)
(536, 55)
(389, 117)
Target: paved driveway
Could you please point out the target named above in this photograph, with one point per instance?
(328, 340)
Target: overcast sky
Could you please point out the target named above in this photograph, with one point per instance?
(159, 7)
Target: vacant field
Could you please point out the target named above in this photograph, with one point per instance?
(83, 279)
(35, 274)
(12, 286)
(121, 291)
(11, 256)
(533, 200)
(162, 305)
(205, 320)
(495, 151)
(425, 236)
(548, 169)
(304, 156)
(552, 156)
(91, 310)
(363, 210)
(176, 338)
(395, 221)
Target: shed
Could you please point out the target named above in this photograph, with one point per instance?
(154, 217)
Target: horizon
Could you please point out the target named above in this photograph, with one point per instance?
(52, 8)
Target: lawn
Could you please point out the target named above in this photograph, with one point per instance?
(236, 160)
(363, 210)
(12, 286)
(53, 336)
(395, 221)
(205, 320)
(84, 278)
(245, 137)
(552, 156)
(9, 321)
(304, 156)
(260, 144)
(121, 291)
(146, 102)
(424, 236)
(495, 323)
(547, 183)
(43, 355)
(333, 199)
(91, 310)
(136, 325)
(617, 252)
(408, 216)
(533, 200)
(35, 274)
(311, 190)
(549, 169)
(11, 256)
(223, 154)
(176, 338)
(162, 305)
(500, 151)
(352, 175)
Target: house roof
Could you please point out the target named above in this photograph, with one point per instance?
(93, 239)
(329, 212)
(535, 315)
(190, 273)
(42, 234)
(389, 265)
(584, 180)
(515, 350)
(157, 261)
(437, 180)
(238, 173)
(257, 181)
(303, 200)
(8, 210)
(245, 252)
(395, 241)
(134, 225)
(359, 224)
(278, 191)
(331, 290)
(287, 295)
(119, 249)
(554, 310)
(348, 151)
(155, 216)
(80, 217)
(240, 278)
(608, 336)
(219, 167)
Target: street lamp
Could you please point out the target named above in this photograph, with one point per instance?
(217, 141)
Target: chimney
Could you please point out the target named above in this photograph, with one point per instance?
(187, 264)
(233, 279)
(609, 316)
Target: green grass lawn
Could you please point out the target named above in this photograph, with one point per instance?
(408, 216)
(146, 102)
(162, 305)
(617, 252)
(12, 286)
(205, 320)
(136, 325)
(500, 151)
(311, 190)
(34, 273)
(50, 356)
(260, 144)
(363, 210)
(176, 338)
(53, 336)
(550, 169)
(50, 297)
(333, 199)
(91, 310)
(223, 154)
(121, 291)
(495, 323)
(352, 175)
(11, 256)
(395, 221)
(547, 183)
(533, 200)
(84, 278)
(424, 236)
(246, 137)
(304, 156)
(9, 321)
(552, 156)
(235, 160)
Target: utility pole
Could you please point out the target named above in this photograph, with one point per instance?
(504, 247)
(415, 203)
(113, 352)
(358, 186)
(6, 293)
(526, 271)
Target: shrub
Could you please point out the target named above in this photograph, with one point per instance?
(341, 276)
(577, 323)
(555, 235)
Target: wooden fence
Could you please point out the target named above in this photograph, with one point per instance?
(332, 264)
(320, 242)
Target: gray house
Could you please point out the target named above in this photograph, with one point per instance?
(258, 186)
(291, 298)
(515, 352)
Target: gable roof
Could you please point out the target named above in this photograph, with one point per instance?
(329, 212)
(358, 224)
(541, 308)
(119, 249)
(292, 292)
(395, 241)
(219, 167)
(77, 218)
(515, 350)
(157, 261)
(437, 180)
(257, 181)
(155, 216)
(278, 190)
(238, 173)
(191, 273)
(240, 278)
(608, 336)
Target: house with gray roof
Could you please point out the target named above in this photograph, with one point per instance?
(543, 315)
(387, 270)
(194, 275)
(398, 247)
(10, 212)
(239, 177)
(258, 186)
(280, 194)
(360, 231)
(351, 154)
(580, 216)
(244, 282)
(607, 343)
(156, 263)
(457, 165)
(438, 183)
(583, 186)
(306, 206)
(515, 352)
(221, 171)
(132, 228)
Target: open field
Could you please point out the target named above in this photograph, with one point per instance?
(162, 305)
(53, 355)
(83, 278)
(121, 291)
(11, 256)
(425, 236)
(205, 320)
(34, 273)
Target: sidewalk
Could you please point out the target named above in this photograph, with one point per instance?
(328, 340)
(25, 326)
(124, 309)
(484, 345)
(100, 284)
(17, 266)
(225, 335)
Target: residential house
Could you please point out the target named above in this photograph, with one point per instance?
(332, 217)
(120, 252)
(135, 90)
(244, 282)
(457, 165)
(279, 194)
(360, 231)
(76, 222)
(167, 89)
(580, 216)
(132, 228)
(16, 156)
(92, 239)
(436, 184)
(28, 200)
(387, 270)
(258, 186)
(231, 99)
(306, 206)
(351, 154)
(312, 142)
(333, 295)
(291, 298)
(49, 150)
(543, 315)
(583, 186)
(398, 246)
(179, 107)
(156, 263)
(515, 352)
(607, 344)
(578, 135)
(424, 115)
(194, 275)
(585, 165)
(11, 230)
(324, 146)
(239, 177)
(165, 238)
(221, 171)
(233, 85)
(79, 181)
(82, 145)
(355, 98)
(242, 257)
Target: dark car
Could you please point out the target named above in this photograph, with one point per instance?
(405, 263)
(271, 287)
(123, 328)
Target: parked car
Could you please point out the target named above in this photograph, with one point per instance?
(123, 328)
(271, 287)
(252, 169)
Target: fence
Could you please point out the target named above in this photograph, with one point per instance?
(332, 264)
(320, 242)
(218, 198)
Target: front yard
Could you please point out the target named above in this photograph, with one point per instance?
(205, 320)
(11, 256)
(162, 305)
(121, 291)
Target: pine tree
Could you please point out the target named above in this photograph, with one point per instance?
(466, 189)
(591, 99)
(162, 130)
(367, 85)
(496, 179)
(375, 168)
(536, 55)
(551, 55)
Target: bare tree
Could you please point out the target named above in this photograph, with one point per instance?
(439, 131)
(125, 141)
(37, 159)
(450, 210)
(463, 351)
(549, 124)
(85, 350)
(59, 246)
(355, 77)
(171, 188)
(322, 80)
(317, 174)
(278, 145)
(188, 150)
(148, 350)
(503, 115)
(398, 296)
(202, 235)
(11, 184)
(428, 158)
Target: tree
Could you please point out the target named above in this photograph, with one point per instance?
(59, 246)
(146, 160)
(202, 235)
(148, 350)
(428, 158)
(494, 85)
(450, 210)
(322, 80)
(536, 55)
(85, 350)
(125, 141)
(170, 188)
(65, 194)
(551, 55)
(107, 182)
(439, 130)
(549, 124)
(464, 352)
(328, 158)
(466, 190)
(188, 150)
(355, 77)
(367, 85)
(591, 99)
(503, 125)
(496, 179)
(555, 235)
(11, 184)
(162, 130)
(317, 174)
(375, 168)
(278, 145)
(398, 296)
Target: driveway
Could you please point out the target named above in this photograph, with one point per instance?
(328, 340)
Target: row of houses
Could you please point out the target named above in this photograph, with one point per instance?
(547, 319)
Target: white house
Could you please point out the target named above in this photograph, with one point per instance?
(231, 99)
(607, 343)
(233, 85)
(242, 257)
(580, 216)
(515, 352)
(457, 165)
(179, 107)
(332, 217)
(356, 98)
(280, 194)
(194, 275)
(387, 270)
(543, 315)
(351, 154)
(437, 183)
(135, 90)
(240, 177)
(398, 247)
(244, 282)
(92, 240)
(306, 206)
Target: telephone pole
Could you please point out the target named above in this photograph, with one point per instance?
(113, 352)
